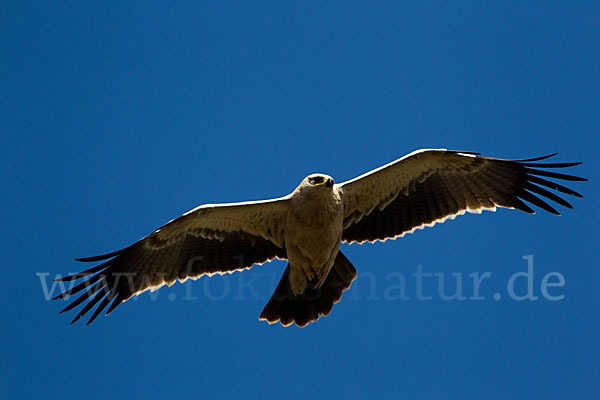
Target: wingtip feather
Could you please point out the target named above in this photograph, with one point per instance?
(540, 158)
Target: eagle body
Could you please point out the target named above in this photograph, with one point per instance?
(313, 232)
(307, 227)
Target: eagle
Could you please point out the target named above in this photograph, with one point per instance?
(307, 227)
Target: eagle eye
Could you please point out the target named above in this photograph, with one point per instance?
(317, 180)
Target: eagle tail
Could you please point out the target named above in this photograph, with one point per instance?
(287, 308)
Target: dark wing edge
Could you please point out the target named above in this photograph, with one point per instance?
(487, 183)
(137, 268)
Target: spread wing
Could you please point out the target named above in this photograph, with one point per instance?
(429, 186)
(207, 240)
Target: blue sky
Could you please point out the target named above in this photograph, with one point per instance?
(118, 117)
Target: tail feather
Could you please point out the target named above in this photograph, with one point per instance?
(288, 308)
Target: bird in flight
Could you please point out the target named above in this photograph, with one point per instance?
(307, 227)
